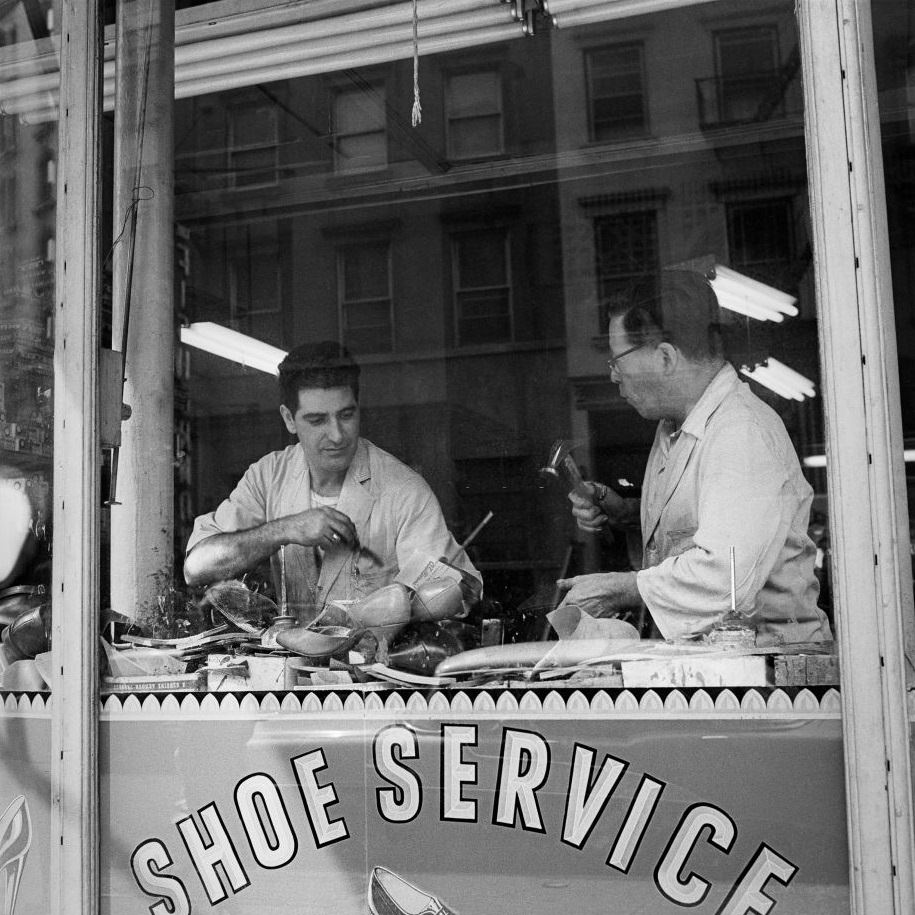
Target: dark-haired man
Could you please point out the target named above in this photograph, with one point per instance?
(348, 514)
(722, 473)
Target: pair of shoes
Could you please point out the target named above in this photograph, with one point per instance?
(15, 839)
(390, 894)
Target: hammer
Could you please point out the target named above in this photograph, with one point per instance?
(562, 466)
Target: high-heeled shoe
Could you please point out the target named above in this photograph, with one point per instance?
(390, 894)
(15, 839)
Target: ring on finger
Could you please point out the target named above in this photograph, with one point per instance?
(335, 537)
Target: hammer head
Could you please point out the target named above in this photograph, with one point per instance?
(562, 466)
(559, 450)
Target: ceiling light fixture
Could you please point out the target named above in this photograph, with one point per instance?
(231, 345)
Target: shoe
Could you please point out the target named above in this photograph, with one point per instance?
(15, 839)
(390, 894)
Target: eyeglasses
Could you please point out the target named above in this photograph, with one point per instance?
(613, 362)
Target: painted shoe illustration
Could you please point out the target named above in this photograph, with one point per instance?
(15, 839)
(390, 894)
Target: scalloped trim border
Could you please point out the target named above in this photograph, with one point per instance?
(493, 703)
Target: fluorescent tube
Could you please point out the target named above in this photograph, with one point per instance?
(570, 13)
(764, 377)
(790, 377)
(819, 460)
(231, 345)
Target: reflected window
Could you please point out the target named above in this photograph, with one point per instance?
(253, 139)
(254, 282)
(747, 69)
(626, 248)
(760, 236)
(473, 112)
(360, 132)
(616, 92)
(482, 287)
(364, 294)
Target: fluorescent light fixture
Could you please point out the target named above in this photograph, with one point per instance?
(213, 64)
(819, 460)
(781, 379)
(231, 345)
(792, 379)
(739, 293)
(568, 13)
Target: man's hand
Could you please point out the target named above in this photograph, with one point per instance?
(601, 593)
(322, 526)
(228, 555)
(602, 506)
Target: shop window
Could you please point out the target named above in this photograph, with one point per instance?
(747, 72)
(252, 152)
(626, 248)
(482, 287)
(473, 111)
(365, 299)
(254, 283)
(360, 132)
(617, 106)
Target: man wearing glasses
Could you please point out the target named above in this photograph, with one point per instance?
(722, 480)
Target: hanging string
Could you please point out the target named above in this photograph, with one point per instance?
(416, 115)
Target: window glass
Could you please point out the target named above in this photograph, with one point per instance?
(313, 204)
(893, 29)
(28, 153)
(460, 211)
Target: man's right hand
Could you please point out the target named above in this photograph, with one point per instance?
(602, 506)
(322, 526)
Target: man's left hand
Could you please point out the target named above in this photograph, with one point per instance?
(601, 593)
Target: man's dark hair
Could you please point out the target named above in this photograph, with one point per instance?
(676, 306)
(317, 365)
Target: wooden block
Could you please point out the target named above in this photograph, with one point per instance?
(790, 670)
(747, 670)
(822, 670)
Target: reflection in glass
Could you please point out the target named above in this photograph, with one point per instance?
(28, 189)
(469, 262)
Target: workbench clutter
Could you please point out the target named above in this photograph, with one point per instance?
(397, 633)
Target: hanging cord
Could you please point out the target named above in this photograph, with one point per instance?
(416, 115)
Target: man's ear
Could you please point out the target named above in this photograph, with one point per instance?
(288, 419)
(670, 357)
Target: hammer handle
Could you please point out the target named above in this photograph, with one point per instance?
(573, 474)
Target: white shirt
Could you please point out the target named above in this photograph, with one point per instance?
(729, 477)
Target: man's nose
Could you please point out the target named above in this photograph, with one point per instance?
(334, 430)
